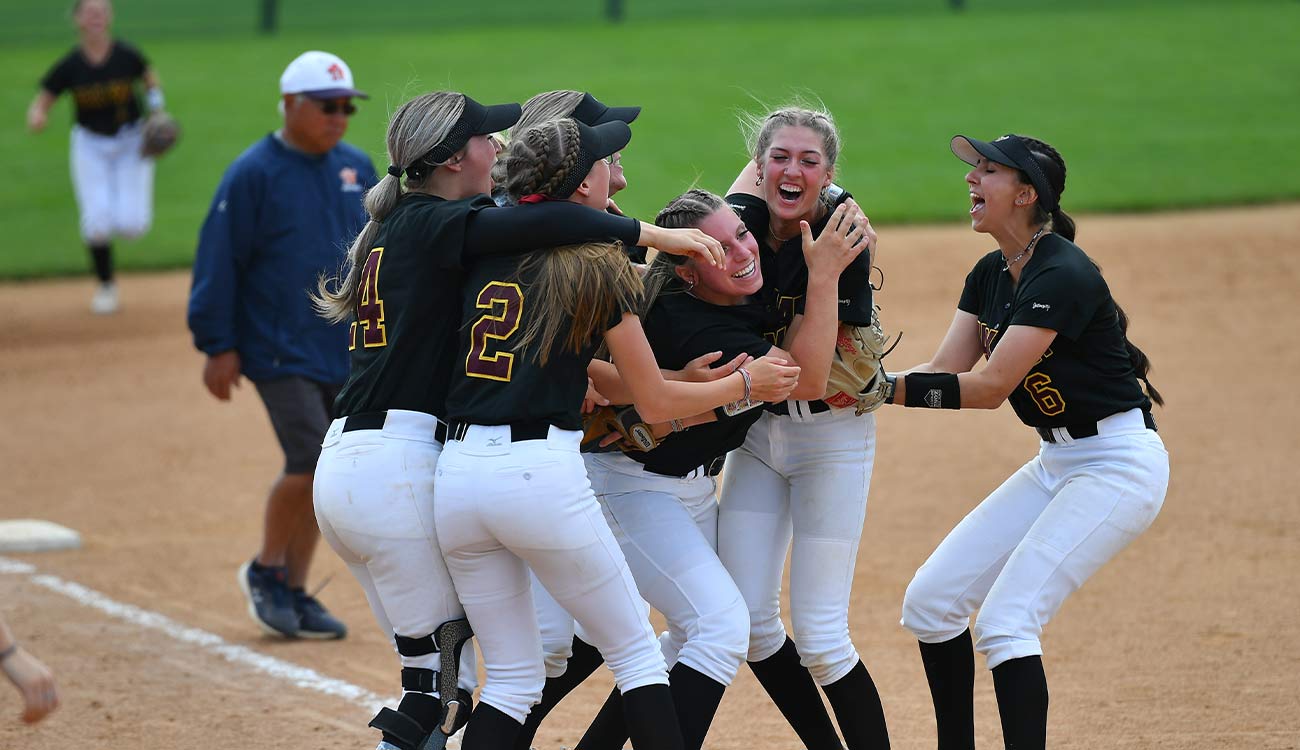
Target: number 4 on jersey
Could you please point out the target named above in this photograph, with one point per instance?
(370, 308)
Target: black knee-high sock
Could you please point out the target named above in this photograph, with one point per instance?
(652, 719)
(793, 691)
(489, 729)
(586, 659)
(608, 731)
(101, 254)
(858, 710)
(696, 697)
(1021, 687)
(950, 670)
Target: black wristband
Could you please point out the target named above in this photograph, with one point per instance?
(933, 390)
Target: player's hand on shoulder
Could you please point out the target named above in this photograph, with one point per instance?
(847, 233)
(771, 379)
(220, 373)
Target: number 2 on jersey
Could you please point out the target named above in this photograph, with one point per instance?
(370, 309)
(504, 303)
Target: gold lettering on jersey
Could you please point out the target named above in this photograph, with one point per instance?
(785, 310)
(1048, 399)
(987, 337)
(370, 308)
(504, 303)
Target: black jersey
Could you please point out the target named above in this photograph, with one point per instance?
(680, 328)
(1086, 374)
(785, 273)
(403, 341)
(105, 96)
(494, 384)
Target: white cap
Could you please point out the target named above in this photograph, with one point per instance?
(319, 75)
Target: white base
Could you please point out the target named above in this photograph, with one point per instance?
(32, 535)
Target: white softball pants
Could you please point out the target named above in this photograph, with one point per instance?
(113, 183)
(668, 529)
(503, 508)
(802, 477)
(1038, 538)
(373, 494)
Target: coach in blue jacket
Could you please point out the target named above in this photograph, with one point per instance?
(285, 212)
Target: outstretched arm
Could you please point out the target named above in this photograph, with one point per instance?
(38, 113)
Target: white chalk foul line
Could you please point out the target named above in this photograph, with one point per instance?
(308, 679)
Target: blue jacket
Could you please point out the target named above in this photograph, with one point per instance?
(279, 219)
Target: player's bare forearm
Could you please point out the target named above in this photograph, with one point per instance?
(745, 181)
(812, 340)
(604, 375)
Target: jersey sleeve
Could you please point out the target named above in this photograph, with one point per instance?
(513, 230)
(57, 80)
(972, 291)
(1059, 298)
(226, 245)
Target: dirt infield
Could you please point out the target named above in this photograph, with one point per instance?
(1189, 639)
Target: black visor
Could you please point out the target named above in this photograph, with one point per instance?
(1010, 151)
(591, 111)
(475, 119)
(595, 143)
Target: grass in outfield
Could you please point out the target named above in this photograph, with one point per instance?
(1152, 108)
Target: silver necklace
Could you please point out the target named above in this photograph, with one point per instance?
(1023, 253)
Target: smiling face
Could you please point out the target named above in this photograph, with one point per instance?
(794, 170)
(741, 275)
(998, 196)
(93, 17)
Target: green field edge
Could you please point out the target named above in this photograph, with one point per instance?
(125, 266)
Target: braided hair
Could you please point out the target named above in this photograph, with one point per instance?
(1053, 166)
(685, 211)
(540, 159)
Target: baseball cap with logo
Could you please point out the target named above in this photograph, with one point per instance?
(319, 75)
(1011, 151)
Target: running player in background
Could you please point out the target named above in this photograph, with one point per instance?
(1040, 312)
(402, 290)
(512, 490)
(662, 504)
(112, 180)
(805, 468)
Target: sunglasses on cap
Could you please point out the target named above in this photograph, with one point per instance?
(332, 107)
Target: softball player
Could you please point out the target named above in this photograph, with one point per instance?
(1040, 312)
(112, 180)
(511, 486)
(805, 467)
(374, 481)
(661, 505)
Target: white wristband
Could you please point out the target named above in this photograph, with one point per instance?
(154, 99)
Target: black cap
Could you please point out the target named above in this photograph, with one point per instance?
(475, 119)
(591, 111)
(594, 144)
(1011, 151)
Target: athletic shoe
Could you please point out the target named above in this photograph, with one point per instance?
(270, 603)
(314, 621)
(105, 300)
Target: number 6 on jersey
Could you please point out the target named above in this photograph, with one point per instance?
(505, 304)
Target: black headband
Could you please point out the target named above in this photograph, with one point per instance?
(594, 144)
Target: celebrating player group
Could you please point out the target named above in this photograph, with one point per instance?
(528, 446)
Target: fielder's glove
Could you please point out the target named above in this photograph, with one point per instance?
(161, 131)
(635, 433)
(857, 371)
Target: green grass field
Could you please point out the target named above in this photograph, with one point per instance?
(1163, 105)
